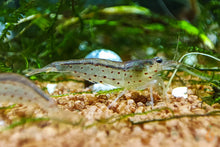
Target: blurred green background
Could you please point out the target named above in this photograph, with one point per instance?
(34, 33)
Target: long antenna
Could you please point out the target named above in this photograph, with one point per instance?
(180, 60)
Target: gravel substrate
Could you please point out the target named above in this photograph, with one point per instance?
(95, 129)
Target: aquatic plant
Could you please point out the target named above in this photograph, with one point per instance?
(35, 33)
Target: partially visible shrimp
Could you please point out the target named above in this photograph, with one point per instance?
(18, 89)
(136, 74)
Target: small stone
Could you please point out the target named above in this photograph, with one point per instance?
(79, 105)
(180, 92)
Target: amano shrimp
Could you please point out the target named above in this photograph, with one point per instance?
(130, 75)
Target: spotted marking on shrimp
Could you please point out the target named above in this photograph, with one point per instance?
(140, 72)
(137, 74)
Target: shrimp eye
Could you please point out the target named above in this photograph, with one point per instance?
(159, 60)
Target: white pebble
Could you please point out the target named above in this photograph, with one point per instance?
(98, 87)
(51, 88)
(2, 122)
(180, 92)
(104, 54)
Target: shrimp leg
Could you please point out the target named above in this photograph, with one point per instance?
(120, 95)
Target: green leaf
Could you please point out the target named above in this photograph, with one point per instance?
(186, 26)
(192, 30)
(8, 107)
(42, 23)
(127, 10)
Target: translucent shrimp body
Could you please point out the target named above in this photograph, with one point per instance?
(129, 75)
(18, 89)
(136, 74)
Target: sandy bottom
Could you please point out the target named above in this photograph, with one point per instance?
(100, 126)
